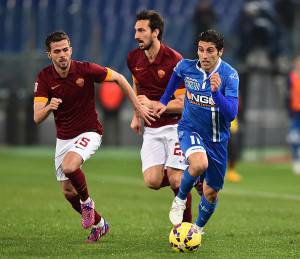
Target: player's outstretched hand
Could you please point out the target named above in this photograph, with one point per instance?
(145, 113)
(54, 103)
(143, 99)
(159, 109)
(215, 82)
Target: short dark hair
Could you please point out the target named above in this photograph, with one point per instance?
(155, 20)
(212, 36)
(55, 37)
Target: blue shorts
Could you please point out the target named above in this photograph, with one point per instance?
(191, 142)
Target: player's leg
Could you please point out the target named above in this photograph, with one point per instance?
(71, 168)
(155, 177)
(101, 226)
(175, 176)
(198, 184)
(86, 145)
(294, 140)
(214, 181)
(175, 165)
(207, 206)
(69, 157)
(193, 148)
(71, 195)
(232, 175)
(153, 156)
(296, 158)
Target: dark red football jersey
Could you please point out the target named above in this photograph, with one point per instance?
(76, 114)
(152, 78)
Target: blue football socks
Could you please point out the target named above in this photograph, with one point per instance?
(206, 209)
(186, 184)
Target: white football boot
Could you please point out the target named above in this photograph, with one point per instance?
(176, 211)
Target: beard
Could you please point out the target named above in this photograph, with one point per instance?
(63, 65)
(145, 46)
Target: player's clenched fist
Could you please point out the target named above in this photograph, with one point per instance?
(54, 103)
(215, 82)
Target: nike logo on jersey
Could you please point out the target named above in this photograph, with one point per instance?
(53, 87)
(139, 68)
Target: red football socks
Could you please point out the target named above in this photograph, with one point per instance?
(75, 202)
(77, 179)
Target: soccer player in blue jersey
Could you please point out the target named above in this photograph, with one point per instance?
(211, 103)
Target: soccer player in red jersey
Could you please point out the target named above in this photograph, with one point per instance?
(151, 65)
(66, 89)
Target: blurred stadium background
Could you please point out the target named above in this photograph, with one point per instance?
(261, 39)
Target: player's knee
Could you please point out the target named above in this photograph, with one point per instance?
(68, 168)
(152, 183)
(198, 168)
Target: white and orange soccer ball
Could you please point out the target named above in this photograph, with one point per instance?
(185, 237)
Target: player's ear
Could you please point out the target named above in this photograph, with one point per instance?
(71, 50)
(221, 52)
(156, 32)
(49, 54)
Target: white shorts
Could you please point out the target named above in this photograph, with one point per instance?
(161, 147)
(85, 145)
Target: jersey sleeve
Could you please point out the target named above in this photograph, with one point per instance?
(178, 68)
(129, 65)
(99, 73)
(180, 88)
(129, 62)
(41, 93)
(232, 84)
(174, 82)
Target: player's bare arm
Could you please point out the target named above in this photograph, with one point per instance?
(42, 110)
(141, 110)
(176, 105)
(136, 122)
(215, 82)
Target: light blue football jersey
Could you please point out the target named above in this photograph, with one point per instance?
(200, 114)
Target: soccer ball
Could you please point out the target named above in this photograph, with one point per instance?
(185, 237)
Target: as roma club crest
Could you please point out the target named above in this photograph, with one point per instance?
(161, 73)
(79, 81)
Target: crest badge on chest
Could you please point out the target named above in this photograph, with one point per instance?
(161, 73)
(79, 81)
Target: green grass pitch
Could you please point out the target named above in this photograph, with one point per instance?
(257, 218)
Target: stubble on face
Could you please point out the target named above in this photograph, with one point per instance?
(60, 54)
(143, 34)
(208, 55)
